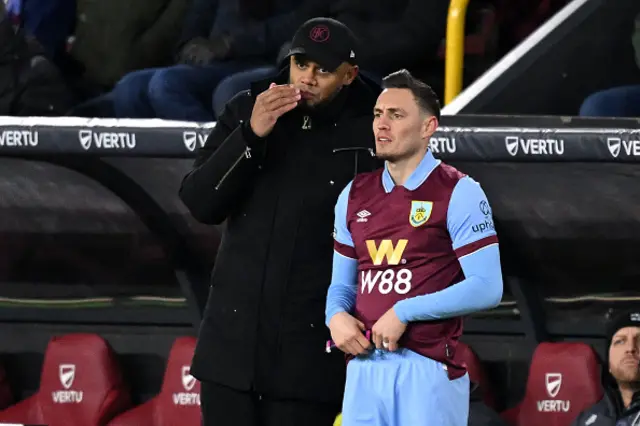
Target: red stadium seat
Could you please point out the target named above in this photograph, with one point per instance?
(6, 397)
(564, 379)
(80, 385)
(478, 374)
(178, 402)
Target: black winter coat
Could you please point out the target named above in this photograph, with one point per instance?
(609, 411)
(263, 327)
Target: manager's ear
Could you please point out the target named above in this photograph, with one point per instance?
(350, 74)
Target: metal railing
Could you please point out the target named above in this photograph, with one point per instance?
(454, 56)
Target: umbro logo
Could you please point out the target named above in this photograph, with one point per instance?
(363, 215)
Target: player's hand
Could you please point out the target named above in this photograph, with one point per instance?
(387, 331)
(270, 105)
(347, 334)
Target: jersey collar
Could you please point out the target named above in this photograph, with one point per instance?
(417, 178)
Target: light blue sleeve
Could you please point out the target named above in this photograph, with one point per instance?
(473, 236)
(341, 296)
(480, 290)
(340, 230)
(469, 217)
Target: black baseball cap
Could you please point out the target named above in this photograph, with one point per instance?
(326, 41)
(620, 321)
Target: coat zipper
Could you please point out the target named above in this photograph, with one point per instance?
(246, 153)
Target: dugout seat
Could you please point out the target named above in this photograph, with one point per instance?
(478, 374)
(178, 403)
(80, 385)
(6, 397)
(564, 379)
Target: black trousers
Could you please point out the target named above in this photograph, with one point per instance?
(223, 406)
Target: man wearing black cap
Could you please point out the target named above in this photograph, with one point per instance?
(273, 168)
(620, 405)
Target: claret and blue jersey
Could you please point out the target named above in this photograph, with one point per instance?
(427, 248)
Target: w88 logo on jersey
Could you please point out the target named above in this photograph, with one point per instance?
(385, 282)
(388, 280)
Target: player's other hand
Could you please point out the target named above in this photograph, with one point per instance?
(347, 334)
(270, 105)
(387, 331)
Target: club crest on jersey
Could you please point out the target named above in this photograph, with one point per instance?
(420, 212)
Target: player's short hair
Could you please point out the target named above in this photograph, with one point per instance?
(423, 93)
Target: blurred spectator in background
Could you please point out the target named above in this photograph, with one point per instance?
(392, 36)
(220, 38)
(115, 37)
(620, 405)
(30, 84)
(228, 44)
(241, 81)
(51, 22)
(621, 101)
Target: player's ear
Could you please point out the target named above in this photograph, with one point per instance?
(429, 126)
